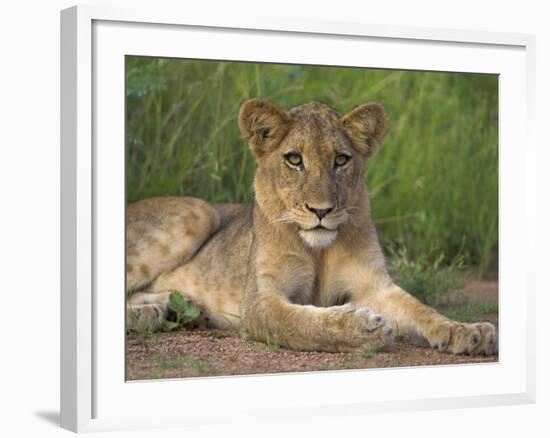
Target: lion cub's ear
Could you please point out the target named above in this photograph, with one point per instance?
(263, 124)
(365, 126)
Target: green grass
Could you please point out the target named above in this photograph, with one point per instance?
(272, 344)
(142, 331)
(399, 338)
(203, 367)
(368, 353)
(469, 311)
(434, 182)
(438, 285)
(426, 277)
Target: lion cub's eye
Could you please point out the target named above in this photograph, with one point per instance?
(340, 160)
(294, 158)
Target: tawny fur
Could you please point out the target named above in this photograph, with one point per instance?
(267, 268)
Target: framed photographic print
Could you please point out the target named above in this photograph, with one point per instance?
(261, 207)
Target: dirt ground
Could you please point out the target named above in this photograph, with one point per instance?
(196, 353)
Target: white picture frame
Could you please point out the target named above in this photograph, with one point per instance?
(93, 395)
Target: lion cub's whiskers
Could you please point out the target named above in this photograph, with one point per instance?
(348, 209)
(286, 218)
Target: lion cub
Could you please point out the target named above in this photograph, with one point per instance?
(302, 265)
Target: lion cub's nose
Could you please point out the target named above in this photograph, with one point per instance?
(320, 212)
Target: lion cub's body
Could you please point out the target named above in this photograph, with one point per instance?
(302, 265)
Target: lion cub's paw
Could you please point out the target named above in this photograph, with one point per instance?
(371, 322)
(358, 327)
(461, 338)
(374, 329)
(145, 314)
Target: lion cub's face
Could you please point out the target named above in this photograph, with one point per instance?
(310, 163)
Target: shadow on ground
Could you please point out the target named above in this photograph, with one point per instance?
(51, 417)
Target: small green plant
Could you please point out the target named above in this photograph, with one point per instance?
(142, 331)
(185, 312)
(368, 352)
(427, 278)
(272, 344)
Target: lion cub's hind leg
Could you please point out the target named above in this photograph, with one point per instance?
(147, 309)
(162, 233)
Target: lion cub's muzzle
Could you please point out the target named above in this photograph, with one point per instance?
(326, 218)
(319, 226)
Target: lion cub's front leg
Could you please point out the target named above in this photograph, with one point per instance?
(309, 328)
(411, 317)
(268, 313)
